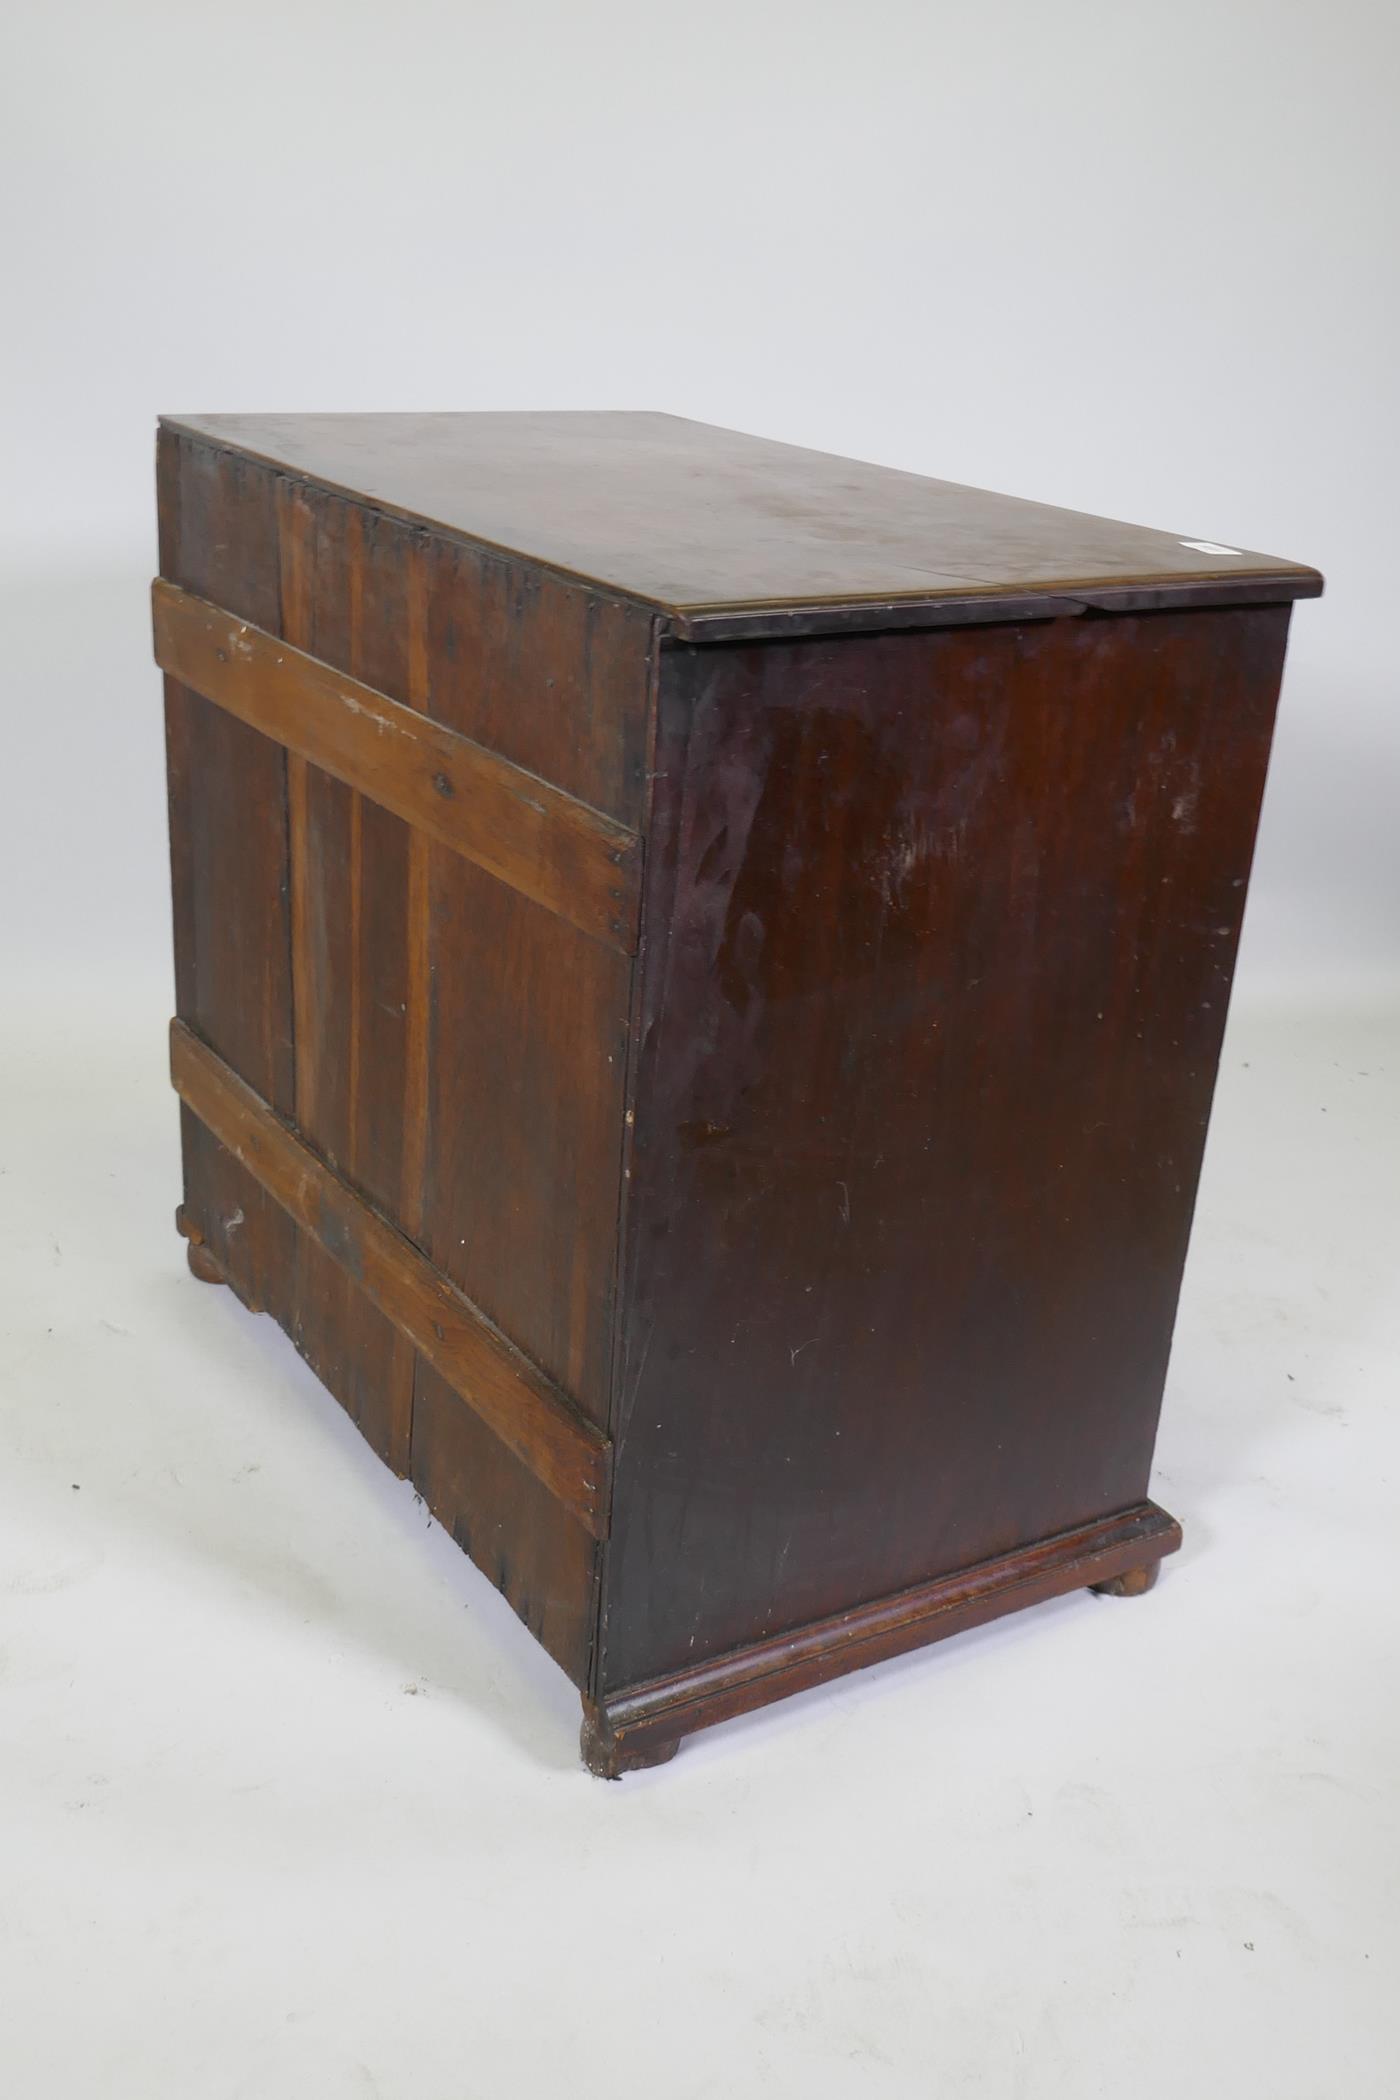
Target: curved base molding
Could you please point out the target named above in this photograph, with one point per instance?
(644, 1724)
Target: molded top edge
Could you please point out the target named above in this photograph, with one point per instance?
(730, 537)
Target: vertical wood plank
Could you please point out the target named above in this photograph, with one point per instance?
(544, 671)
(419, 912)
(526, 1067)
(341, 592)
(381, 939)
(524, 1061)
(320, 1292)
(179, 806)
(294, 574)
(228, 839)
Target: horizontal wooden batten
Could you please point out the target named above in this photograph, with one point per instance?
(510, 1394)
(573, 860)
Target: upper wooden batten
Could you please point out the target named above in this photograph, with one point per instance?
(731, 537)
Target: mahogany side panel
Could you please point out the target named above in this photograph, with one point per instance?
(939, 936)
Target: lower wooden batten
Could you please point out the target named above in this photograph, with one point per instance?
(643, 1724)
(518, 1534)
(565, 1451)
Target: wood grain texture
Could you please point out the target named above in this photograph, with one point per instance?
(697, 521)
(939, 937)
(552, 675)
(229, 861)
(393, 939)
(227, 785)
(781, 1274)
(574, 861)
(509, 1393)
(524, 1123)
(350, 946)
(238, 985)
(218, 532)
(546, 672)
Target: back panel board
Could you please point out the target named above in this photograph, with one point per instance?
(452, 1048)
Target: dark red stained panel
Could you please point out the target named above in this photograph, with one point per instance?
(941, 934)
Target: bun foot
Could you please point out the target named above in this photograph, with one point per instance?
(202, 1263)
(197, 1254)
(1133, 1582)
(608, 1756)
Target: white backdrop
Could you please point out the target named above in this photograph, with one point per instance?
(1133, 259)
(1137, 260)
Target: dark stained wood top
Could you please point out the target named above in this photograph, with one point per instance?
(733, 536)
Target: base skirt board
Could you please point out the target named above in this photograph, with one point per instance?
(642, 1724)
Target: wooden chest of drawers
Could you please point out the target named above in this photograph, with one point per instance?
(700, 968)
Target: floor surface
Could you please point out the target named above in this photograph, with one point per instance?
(290, 1807)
